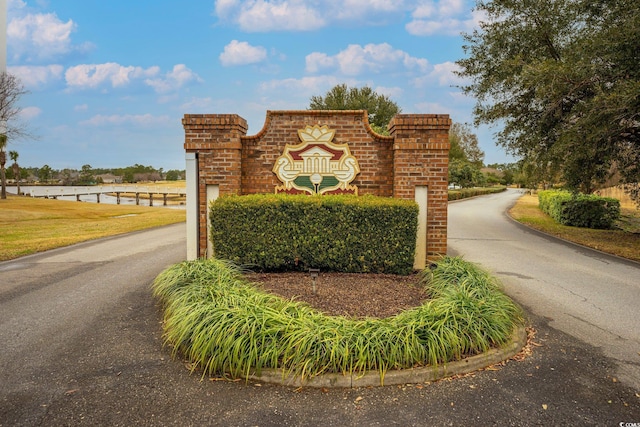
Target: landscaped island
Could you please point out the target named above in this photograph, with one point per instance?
(224, 324)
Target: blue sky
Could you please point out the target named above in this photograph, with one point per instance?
(110, 81)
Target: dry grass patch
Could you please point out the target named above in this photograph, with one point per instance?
(29, 225)
(624, 241)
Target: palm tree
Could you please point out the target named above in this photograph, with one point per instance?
(16, 168)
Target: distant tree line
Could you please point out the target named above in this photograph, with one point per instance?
(91, 176)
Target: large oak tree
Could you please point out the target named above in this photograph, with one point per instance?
(562, 79)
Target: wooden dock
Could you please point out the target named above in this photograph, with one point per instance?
(118, 190)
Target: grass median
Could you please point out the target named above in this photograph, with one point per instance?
(623, 240)
(29, 225)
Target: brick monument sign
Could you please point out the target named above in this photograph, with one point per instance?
(323, 152)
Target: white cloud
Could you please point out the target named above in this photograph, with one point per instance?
(36, 76)
(316, 61)
(198, 104)
(306, 15)
(431, 9)
(391, 92)
(442, 75)
(305, 86)
(242, 53)
(358, 9)
(226, 8)
(356, 59)
(142, 120)
(276, 15)
(81, 107)
(446, 27)
(174, 79)
(13, 5)
(91, 76)
(29, 113)
(445, 17)
(36, 37)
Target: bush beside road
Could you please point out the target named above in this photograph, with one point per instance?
(623, 240)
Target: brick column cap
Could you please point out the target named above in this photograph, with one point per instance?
(420, 121)
(220, 121)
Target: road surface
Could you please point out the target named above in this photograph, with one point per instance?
(589, 295)
(81, 345)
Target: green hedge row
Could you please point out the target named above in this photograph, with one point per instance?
(579, 210)
(275, 232)
(471, 192)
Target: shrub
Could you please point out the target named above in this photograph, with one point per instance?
(471, 192)
(275, 232)
(579, 210)
(225, 325)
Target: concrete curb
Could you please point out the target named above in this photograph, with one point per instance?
(401, 376)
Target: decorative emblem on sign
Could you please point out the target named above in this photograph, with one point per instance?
(317, 165)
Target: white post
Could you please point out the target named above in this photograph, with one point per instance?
(213, 192)
(422, 199)
(192, 206)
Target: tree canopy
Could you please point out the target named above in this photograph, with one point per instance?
(11, 90)
(465, 157)
(380, 108)
(464, 145)
(562, 77)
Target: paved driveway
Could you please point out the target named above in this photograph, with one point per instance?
(81, 344)
(589, 295)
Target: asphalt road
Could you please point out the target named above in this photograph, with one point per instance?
(81, 344)
(589, 295)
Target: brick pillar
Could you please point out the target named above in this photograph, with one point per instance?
(215, 138)
(421, 158)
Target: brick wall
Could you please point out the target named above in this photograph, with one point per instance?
(416, 153)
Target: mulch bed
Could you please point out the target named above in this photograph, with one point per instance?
(346, 294)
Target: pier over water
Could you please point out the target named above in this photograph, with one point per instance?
(117, 190)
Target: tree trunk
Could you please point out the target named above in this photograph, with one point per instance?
(3, 176)
(16, 174)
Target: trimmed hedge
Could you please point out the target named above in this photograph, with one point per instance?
(465, 193)
(276, 232)
(579, 210)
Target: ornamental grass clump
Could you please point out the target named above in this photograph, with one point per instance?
(225, 325)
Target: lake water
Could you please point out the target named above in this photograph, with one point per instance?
(104, 198)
